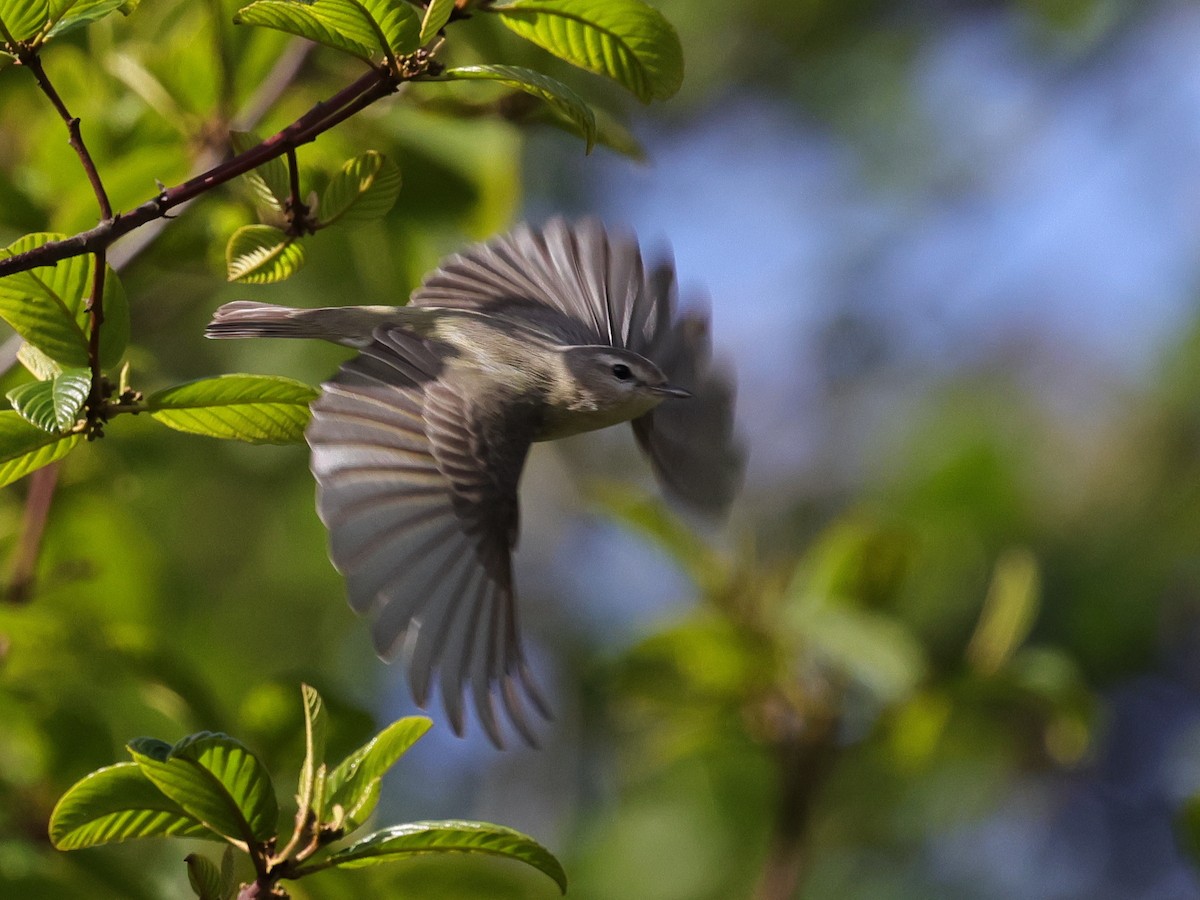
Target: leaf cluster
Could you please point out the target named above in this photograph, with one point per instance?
(211, 786)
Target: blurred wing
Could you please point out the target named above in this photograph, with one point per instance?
(597, 280)
(690, 443)
(420, 499)
(576, 270)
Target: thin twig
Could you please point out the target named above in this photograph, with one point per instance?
(352, 99)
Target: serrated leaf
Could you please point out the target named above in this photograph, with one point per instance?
(118, 803)
(437, 14)
(354, 783)
(204, 877)
(217, 780)
(53, 405)
(269, 182)
(254, 408)
(84, 12)
(45, 304)
(626, 40)
(564, 101)
(316, 723)
(262, 254)
(25, 448)
(419, 838)
(358, 28)
(365, 188)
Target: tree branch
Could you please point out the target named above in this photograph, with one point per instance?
(372, 86)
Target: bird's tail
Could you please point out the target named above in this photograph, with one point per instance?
(343, 325)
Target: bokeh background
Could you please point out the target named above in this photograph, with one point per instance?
(945, 645)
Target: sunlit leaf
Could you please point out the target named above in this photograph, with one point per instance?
(53, 405)
(217, 780)
(84, 12)
(44, 304)
(118, 803)
(25, 448)
(262, 254)
(309, 794)
(254, 408)
(270, 181)
(420, 838)
(365, 188)
(627, 40)
(437, 14)
(302, 20)
(354, 783)
(37, 362)
(564, 101)
(1008, 612)
(25, 18)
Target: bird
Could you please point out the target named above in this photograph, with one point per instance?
(418, 442)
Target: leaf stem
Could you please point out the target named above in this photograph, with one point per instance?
(371, 86)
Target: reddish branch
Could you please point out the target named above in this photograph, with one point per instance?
(372, 86)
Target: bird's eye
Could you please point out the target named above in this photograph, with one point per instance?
(621, 372)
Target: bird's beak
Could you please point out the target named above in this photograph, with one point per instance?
(669, 391)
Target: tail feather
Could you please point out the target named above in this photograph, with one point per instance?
(249, 318)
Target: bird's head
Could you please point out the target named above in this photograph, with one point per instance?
(618, 383)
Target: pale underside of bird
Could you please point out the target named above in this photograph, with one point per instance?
(419, 441)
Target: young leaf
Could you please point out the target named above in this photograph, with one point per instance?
(354, 784)
(38, 363)
(84, 12)
(564, 101)
(260, 409)
(400, 841)
(627, 40)
(25, 448)
(315, 726)
(365, 188)
(204, 877)
(53, 405)
(437, 14)
(270, 181)
(360, 27)
(114, 804)
(25, 18)
(114, 333)
(217, 780)
(262, 254)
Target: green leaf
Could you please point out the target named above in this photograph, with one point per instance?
(217, 780)
(84, 12)
(260, 409)
(365, 188)
(44, 304)
(627, 40)
(114, 333)
(25, 18)
(115, 804)
(53, 405)
(359, 28)
(25, 448)
(262, 254)
(564, 101)
(437, 14)
(401, 841)
(37, 362)
(310, 794)
(270, 181)
(204, 877)
(354, 783)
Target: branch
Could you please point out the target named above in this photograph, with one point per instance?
(372, 86)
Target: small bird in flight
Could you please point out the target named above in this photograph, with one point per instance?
(418, 442)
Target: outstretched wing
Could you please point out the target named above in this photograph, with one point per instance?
(419, 493)
(597, 280)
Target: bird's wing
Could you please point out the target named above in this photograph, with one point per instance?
(691, 443)
(419, 493)
(596, 279)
